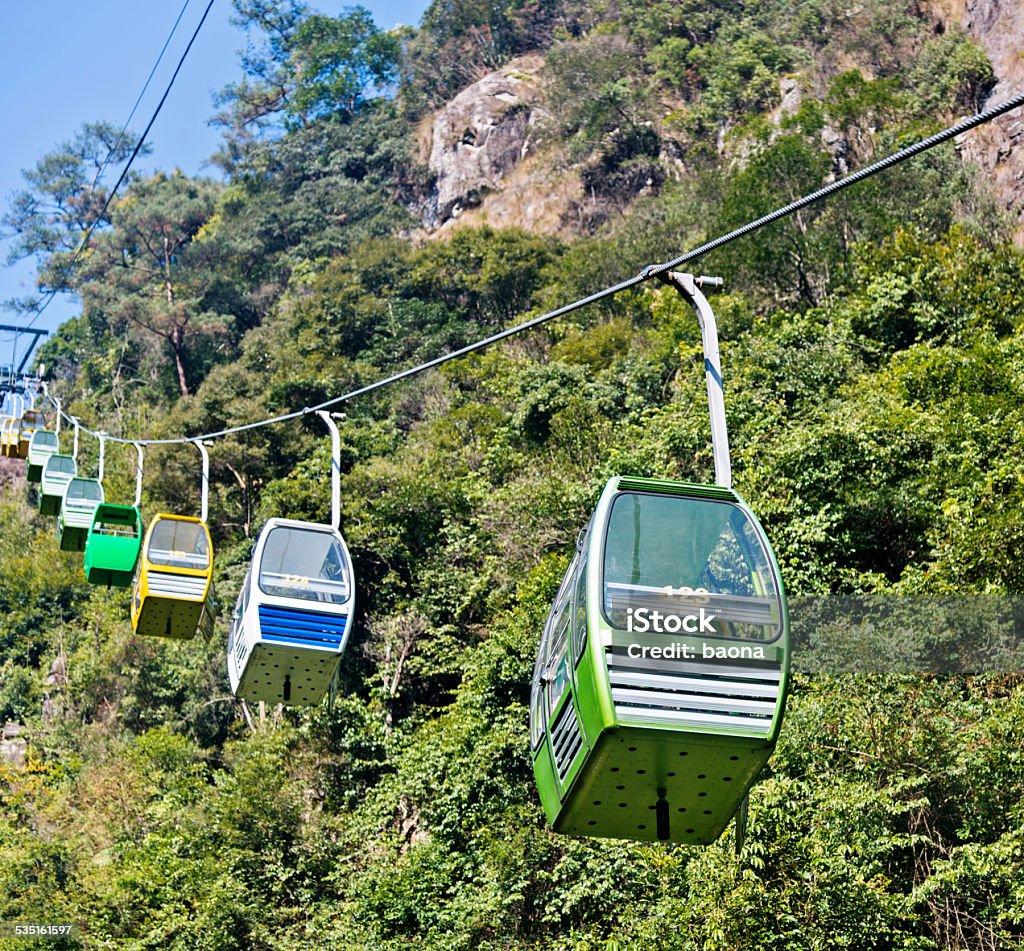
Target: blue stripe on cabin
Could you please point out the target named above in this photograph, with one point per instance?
(302, 628)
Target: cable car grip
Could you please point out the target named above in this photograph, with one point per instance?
(201, 445)
(329, 418)
(689, 288)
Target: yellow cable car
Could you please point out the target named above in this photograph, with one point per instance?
(31, 420)
(9, 436)
(173, 594)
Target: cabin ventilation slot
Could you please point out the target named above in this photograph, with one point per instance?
(694, 693)
(302, 628)
(165, 585)
(565, 738)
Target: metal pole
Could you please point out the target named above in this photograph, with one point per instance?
(335, 466)
(102, 437)
(201, 446)
(57, 403)
(74, 452)
(138, 475)
(688, 287)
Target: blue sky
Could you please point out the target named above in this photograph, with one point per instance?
(65, 62)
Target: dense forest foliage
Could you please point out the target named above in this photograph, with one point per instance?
(874, 363)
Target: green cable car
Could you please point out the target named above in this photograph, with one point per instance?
(661, 678)
(660, 682)
(112, 548)
(58, 471)
(81, 499)
(43, 444)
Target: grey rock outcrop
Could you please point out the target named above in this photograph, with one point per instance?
(479, 137)
(998, 148)
(55, 683)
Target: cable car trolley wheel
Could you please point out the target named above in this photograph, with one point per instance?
(173, 592)
(660, 683)
(293, 616)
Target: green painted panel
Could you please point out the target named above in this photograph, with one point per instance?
(113, 545)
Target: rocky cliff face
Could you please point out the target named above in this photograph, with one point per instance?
(484, 147)
(477, 143)
(998, 148)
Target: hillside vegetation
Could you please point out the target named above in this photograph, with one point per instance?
(874, 369)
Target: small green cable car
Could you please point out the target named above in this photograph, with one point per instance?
(112, 548)
(43, 444)
(58, 471)
(81, 499)
(660, 682)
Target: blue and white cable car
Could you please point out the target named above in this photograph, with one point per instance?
(294, 613)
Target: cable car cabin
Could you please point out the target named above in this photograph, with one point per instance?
(32, 420)
(112, 547)
(661, 677)
(58, 471)
(293, 615)
(9, 436)
(81, 499)
(173, 592)
(43, 444)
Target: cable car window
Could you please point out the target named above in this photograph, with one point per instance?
(84, 491)
(44, 440)
(178, 544)
(674, 556)
(304, 564)
(561, 617)
(60, 464)
(536, 693)
(113, 523)
(536, 711)
(579, 614)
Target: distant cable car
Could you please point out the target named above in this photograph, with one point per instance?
(43, 444)
(112, 547)
(173, 594)
(9, 436)
(660, 682)
(294, 613)
(58, 471)
(32, 420)
(114, 539)
(81, 499)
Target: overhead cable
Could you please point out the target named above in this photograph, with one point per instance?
(134, 155)
(649, 272)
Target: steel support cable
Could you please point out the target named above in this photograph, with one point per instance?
(145, 86)
(651, 271)
(134, 155)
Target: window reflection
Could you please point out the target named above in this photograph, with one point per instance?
(304, 563)
(677, 555)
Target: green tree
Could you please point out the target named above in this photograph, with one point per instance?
(154, 269)
(339, 63)
(65, 195)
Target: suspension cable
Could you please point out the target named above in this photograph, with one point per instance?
(138, 148)
(649, 272)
